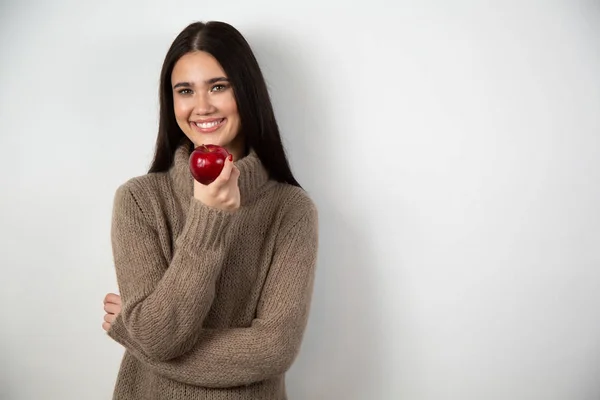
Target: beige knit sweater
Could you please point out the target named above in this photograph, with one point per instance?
(214, 303)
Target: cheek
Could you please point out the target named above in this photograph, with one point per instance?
(180, 108)
(228, 105)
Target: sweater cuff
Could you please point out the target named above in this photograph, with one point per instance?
(118, 332)
(204, 227)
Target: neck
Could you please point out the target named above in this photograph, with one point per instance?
(236, 147)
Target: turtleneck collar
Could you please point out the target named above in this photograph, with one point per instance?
(253, 175)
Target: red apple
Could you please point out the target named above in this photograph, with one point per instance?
(206, 162)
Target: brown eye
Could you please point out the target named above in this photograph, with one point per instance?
(218, 88)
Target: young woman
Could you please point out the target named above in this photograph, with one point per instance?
(215, 280)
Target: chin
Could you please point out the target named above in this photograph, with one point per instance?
(208, 141)
(218, 137)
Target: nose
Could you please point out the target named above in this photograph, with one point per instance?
(203, 104)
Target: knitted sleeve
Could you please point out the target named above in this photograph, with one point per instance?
(241, 356)
(164, 302)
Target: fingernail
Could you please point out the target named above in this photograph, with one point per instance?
(231, 157)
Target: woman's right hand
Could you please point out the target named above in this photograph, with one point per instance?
(112, 306)
(223, 193)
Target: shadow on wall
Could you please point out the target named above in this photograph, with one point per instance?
(340, 358)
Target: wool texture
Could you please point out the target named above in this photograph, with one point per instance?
(214, 303)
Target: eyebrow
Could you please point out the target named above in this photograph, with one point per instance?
(208, 82)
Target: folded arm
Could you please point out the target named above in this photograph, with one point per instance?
(164, 303)
(241, 356)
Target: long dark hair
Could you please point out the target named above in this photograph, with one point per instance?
(258, 124)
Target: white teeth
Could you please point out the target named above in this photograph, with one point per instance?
(206, 125)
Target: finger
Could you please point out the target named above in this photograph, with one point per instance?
(110, 318)
(235, 174)
(225, 174)
(105, 326)
(227, 168)
(112, 308)
(112, 298)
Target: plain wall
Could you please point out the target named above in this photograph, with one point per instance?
(452, 147)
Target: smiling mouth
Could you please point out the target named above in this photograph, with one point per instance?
(207, 126)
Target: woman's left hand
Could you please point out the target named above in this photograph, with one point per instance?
(112, 306)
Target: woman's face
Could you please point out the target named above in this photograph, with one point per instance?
(204, 103)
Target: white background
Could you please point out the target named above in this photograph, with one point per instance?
(452, 147)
